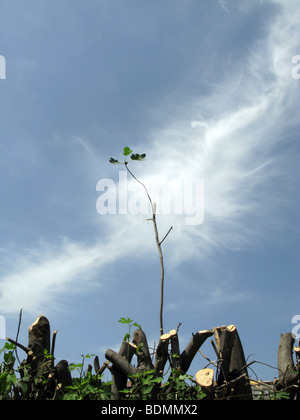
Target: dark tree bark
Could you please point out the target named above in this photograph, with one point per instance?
(38, 343)
(121, 367)
(161, 355)
(194, 345)
(233, 363)
(62, 374)
(143, 354)
(40, 358)
(232, 374)
(288, 372)
(175, 351)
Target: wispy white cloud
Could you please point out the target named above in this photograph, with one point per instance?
(232, 137)
(36, 279)
(224, 5)
(239, 151)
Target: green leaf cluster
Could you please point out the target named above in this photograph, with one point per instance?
(86, 386)
(128, 152)
(130, 323)
(11, 385)
(179, 387)
(147, 386)
(144, 384)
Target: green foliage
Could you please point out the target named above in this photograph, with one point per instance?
(89, 387)
(182, 387)
(273, 395)
(138, 157)
(143, 385)
(17, 384)
(133, 156)
(86, 386)
(147, 386)
(130, 323)
(11, 385)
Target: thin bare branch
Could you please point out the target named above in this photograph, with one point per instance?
(158, 243)
(166, 235)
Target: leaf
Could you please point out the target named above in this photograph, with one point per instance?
(147, 389)
(136, 156)
(22, 385)
(73, 366)
(127, 151)
(123, 320)
(88, 356)
(11, 378)
(125, 391)
(113, 161)
(7, 346)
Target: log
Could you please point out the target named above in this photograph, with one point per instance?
(222, 390)
(233, 363)
(121, 367)
(96, 365)
(175, 352)
(39, 335)
(38, 343)
(161, 356)
(288, 375)
(175, 360)
(100, 369)
(62, 374)
(205, 378)
(194, 345)
(143, 354)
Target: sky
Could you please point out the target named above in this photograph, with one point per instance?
(209, 90)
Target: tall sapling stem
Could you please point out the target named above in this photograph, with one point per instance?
(128, 152)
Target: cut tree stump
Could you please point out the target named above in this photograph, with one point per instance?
(289, 375)
(232, 363)
(194, 345)
(232, 381)
(44, 377)
(161, 355)
(121, 367)
(62, 373)
(38, 343)
(175, 351)
(142, 350)
(205, 378)
(121, 362)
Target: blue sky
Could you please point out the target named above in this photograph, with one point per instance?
(205, 88)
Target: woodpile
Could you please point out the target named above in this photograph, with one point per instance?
(228, 380)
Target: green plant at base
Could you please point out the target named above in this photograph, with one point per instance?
(86, 386)
(273, 395)
(147, 386)
(143, 385)
(178, 389)
(11, 386)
